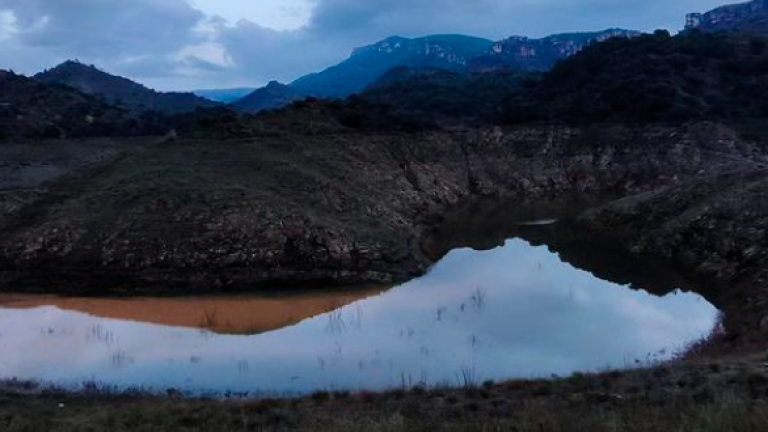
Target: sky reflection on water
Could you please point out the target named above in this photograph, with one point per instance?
(516, 311)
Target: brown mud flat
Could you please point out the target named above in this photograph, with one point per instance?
(232, 315)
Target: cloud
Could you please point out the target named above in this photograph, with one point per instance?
(275, 14)
(183, 44)
(102, 28)
(119, 36)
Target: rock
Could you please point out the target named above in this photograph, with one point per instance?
(764, 323)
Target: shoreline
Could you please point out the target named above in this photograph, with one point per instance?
(732, 392)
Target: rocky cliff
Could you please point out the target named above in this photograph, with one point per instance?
(750, 17)
(540, 54)
(453, 49)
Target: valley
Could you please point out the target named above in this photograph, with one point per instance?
(445, 233)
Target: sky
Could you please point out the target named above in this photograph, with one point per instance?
(194, 44)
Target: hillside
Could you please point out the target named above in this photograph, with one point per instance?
(650, 78)
(436, 96)
(653, 78)
(120, 91)
(326, 203)
(274, 95)
(31, 109)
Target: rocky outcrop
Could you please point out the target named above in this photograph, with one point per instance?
(339, 207)
(453, 49)
(540, 54)
(749, 17)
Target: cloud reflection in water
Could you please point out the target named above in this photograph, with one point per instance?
(515, 311)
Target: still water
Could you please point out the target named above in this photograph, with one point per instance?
(512, 310)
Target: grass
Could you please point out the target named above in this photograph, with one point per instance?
(360, 414)
(681, 397)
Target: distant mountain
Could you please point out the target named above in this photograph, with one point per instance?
(274, 95)
(540, 54)
(750, 17)
(120, 91)
(227, 96)
(367, 64)
(451, 53)
(33, 109)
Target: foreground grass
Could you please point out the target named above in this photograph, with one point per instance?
(705, 397)
(535, 416)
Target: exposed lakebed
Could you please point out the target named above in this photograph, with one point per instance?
(507, 308)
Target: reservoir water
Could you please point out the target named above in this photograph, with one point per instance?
(513, 308)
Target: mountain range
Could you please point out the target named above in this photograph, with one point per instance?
(434, 64)
(453, 53)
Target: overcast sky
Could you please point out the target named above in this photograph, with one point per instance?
(189, 44)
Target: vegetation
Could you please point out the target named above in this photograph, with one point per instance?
(717, 397)
(653, 78)
(35, 110)
(274, 95)
(437, 96)
(119, 91)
